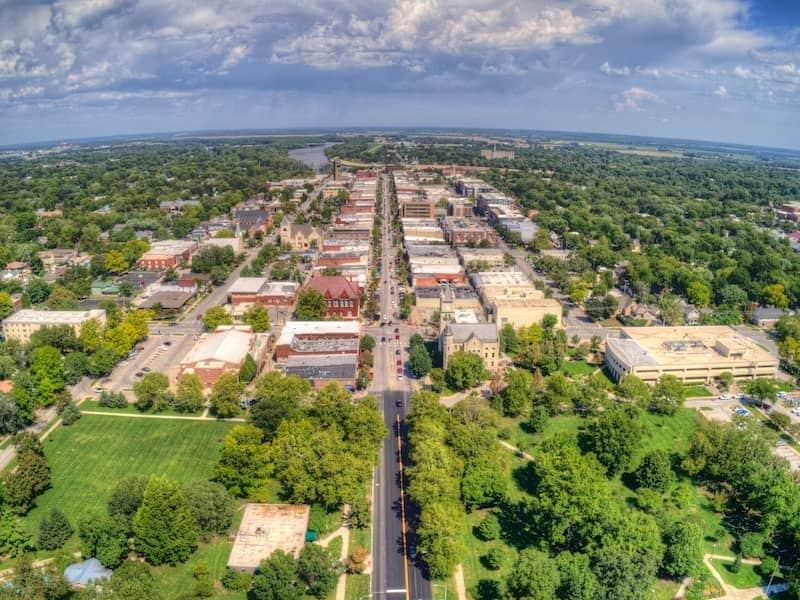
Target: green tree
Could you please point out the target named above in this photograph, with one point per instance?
(538, 419)
(668, 395)
(131, 581)
(699, 293)
(76, 365)
(671, 310)
(126, 497)
(116, 262)
(248, 369)
(211, 506)
(152, 392)
(38, 290)
(278, 397)
(319, 569)
(633, 389)
(366, 343)
(257, 317)
(464, 370)
(243, 463)
(578, 582)
(165, 529)
(29, 479)
(189, 396)
(91, 335)
(534, 576)
(277, 579)
(683, 553)
(655, 471)
(105, 538)
(226, 394)
(419, 361)
(519, 392)
(509, 343)
(483, 483)
(36, 583)
(54, 530)
(14, 540)
(46, 363)
(6, 305)
(102, 362)
(489, 528)
(216, 316)
(559, 392)
(439, 539)
(775, 295)
(311, 305)
(763, 389)
(616, 436)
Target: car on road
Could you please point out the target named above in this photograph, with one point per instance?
(742, 412)
(397, 330)
(146, 369)
(167, 343)
(399, 363)
(397, 352)
(99, 390)
(399, 375)
(138, 374)
(724, 397)
(383, 338)
(140, 348)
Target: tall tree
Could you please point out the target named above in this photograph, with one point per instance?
(311, 305)
(152, 392)
(278, 579)
(257, 317)
(616, 436)
(319, 569)
(226, 393)
(464, 370)
(216, 316)
(165, 529)
(189, 396)
(278, 397)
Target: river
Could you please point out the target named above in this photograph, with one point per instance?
(313, 156)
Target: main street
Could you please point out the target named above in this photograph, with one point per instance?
(394, 574)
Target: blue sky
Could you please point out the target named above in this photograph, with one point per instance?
(726, 70)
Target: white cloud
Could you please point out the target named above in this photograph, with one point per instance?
(721, 91)
(634, 99)
(607, 69)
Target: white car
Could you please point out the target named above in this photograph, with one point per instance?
(724, 397)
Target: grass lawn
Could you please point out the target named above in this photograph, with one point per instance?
(357, 587)
(700, 391)
(88, 458)
(665, 589)
(746, 578)
(574, 368)
(176, 581)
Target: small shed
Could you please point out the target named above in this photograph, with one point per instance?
(81, 573)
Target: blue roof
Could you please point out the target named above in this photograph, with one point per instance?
(84, 572)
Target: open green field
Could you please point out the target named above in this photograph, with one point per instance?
(699, 391)
(746, 578)
(88, 458)
(573, 368)
(131, 409)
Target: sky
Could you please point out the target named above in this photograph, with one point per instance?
(721, 70)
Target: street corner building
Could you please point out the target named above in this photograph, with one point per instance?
(223, 351)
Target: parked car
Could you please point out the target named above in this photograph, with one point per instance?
(99, 390)
(138, 374)
(146, 369)
(724, 397)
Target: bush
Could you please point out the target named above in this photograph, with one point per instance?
(357, 560)
(70, 414)
(736, 565)
(235, 581)
(112, 400)
(494, 559)
(537, 420)
(751, 545)
(489, 528)
(768, 566)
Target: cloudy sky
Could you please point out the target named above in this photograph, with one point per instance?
(725, 70)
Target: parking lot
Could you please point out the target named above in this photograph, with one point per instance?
(161, 354)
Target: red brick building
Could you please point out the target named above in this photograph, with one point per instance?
(341, 296)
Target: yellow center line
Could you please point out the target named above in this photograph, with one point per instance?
(402, 507)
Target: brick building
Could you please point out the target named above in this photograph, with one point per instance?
(341, 296)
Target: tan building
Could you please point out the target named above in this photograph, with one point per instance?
(301, 236)
(418, 208)
(266, 528)
(487, 258)
(22, 325)
(521, 308)
(223, 351)
(693, 354)
(479, 339)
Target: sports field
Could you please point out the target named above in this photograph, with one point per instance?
(88, 458)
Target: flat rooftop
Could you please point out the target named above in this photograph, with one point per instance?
(293, 328)
(500, 279)
(54, 317)
(686, 345)
(247, 285)
(266, 528)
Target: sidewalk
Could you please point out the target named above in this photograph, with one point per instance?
(344, 531)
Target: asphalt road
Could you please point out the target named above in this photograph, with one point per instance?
(394, 574)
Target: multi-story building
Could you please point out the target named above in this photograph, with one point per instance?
(692, 354)
(418, 207)
(482, 259)
(480, 339)
(301, 236)
(463, 231)
(342, 297)
(252, 220)
(164, 254)
(21, 325)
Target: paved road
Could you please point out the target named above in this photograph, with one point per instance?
(394, 575)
